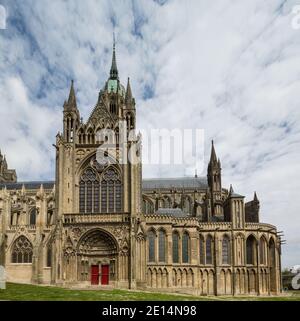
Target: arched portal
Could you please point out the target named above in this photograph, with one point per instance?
(97, 257)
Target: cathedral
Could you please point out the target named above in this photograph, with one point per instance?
(100, 225)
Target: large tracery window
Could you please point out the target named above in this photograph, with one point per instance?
(21, 251)
(102, 195)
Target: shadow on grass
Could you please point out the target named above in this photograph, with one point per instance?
(26, 292)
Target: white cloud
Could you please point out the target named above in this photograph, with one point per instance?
(229, 67)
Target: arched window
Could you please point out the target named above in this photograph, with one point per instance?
(185, 248)
(151, 246)
(226, 250)
(90, 136)
(162, 246)
(202, 250)
(92, 192)
(209, 254)
(32, 217)
(251, 250)
(175, 242)
(80, 136)
(262, 250)
(21, 250)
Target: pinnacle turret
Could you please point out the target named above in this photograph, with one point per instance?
(128, 97)
(213, 156)
(71, 104)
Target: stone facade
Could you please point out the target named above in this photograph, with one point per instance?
(101, 224)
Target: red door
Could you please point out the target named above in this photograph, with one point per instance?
(95, 274)
(104, 274)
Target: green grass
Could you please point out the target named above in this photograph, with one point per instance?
(25, 292)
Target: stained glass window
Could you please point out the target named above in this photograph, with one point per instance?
(162, 246)
(89, 197)
(209, 256)
(225, 250)
(111, 196)
(151, 244)
(104, 196)
(118, 196)
(175, 240)
(96, 196)
(185, 247)
(82, 197)
(202, 250)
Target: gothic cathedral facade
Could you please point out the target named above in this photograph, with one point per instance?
(100, 224)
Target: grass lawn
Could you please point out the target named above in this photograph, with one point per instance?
(25, 292)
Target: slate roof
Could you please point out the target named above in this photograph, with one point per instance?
(28, 185)
(176, 212)
(148, 183)
(178, 182)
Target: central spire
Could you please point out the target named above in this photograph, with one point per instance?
(213, 156)
(114, 69)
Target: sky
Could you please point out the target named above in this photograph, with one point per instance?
(228, 67)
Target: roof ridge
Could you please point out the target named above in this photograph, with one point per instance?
(172, 178)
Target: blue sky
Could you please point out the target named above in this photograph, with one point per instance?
(229, 67)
